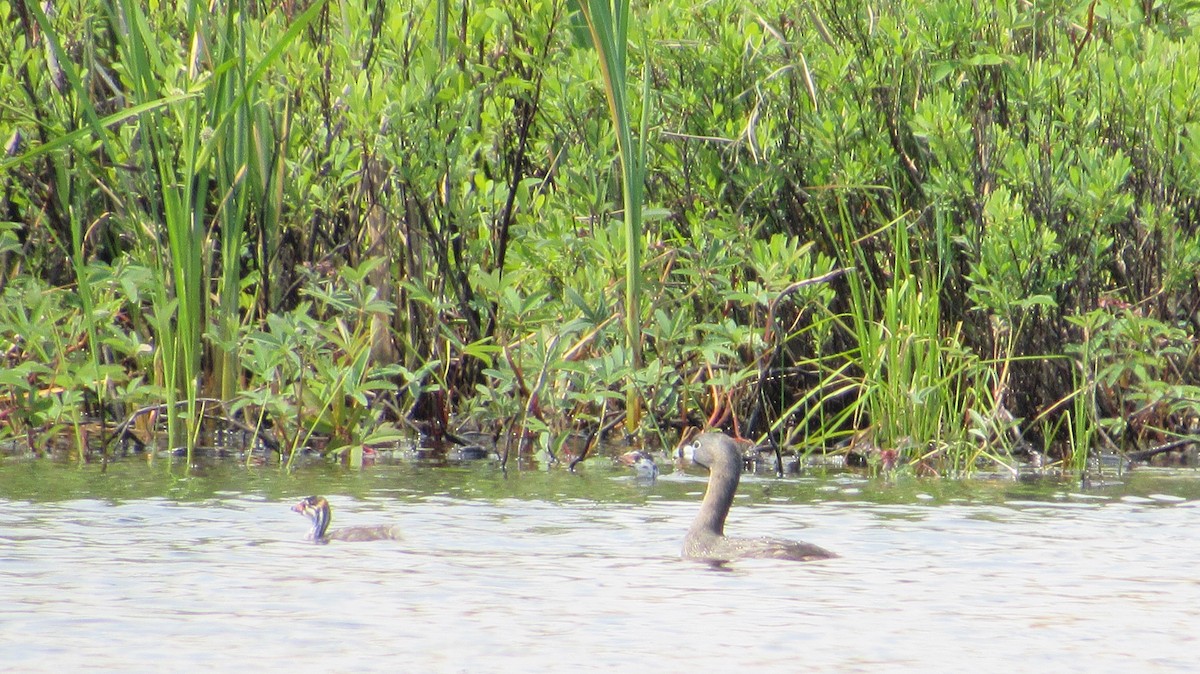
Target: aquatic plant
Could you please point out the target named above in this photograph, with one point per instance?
(313, 370)
(1001, 206)
(608, 23)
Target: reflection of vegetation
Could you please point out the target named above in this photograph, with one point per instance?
(224, 481)
(335, 216)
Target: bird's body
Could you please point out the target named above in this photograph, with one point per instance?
(706, 537)
(316, 508)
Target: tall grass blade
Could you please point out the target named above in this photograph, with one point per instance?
(608, 23)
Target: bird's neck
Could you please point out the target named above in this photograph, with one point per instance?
(722, 485)
(320, 523)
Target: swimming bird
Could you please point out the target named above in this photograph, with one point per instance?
(642, 464)
(316, 508)
(706, 538)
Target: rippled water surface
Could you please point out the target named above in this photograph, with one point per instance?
(140, 570)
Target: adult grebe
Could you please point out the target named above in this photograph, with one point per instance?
(706, 538)
(316, 508)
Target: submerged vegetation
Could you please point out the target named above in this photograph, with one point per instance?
(920, 231)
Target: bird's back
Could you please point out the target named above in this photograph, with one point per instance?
(358, 534)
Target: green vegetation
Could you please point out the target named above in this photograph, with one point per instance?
(339, 220)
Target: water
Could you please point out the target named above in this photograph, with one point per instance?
(139, 570)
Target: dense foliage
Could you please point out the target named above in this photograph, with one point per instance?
(334, 217)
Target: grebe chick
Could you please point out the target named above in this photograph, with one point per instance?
(316, 508)
(706, 538)
(642, 464)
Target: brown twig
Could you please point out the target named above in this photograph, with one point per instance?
(1144, 454)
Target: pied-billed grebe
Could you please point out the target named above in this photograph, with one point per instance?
(706, 538)
(316, 508)
(643, 464)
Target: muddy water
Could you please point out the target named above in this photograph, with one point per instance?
(140, 570)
